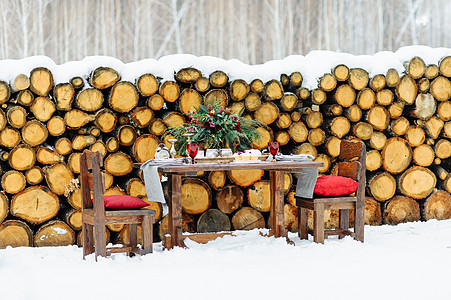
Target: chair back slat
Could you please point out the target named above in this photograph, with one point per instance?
(350, 150)
(349, 169)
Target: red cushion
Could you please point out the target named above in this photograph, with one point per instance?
(333, 185)
(123, 202)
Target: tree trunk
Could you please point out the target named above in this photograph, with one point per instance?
(423, 155)
(76, 118)
(415, 136)
(43, 108)
(282, 137)
(362, 130)
(416, 67)
(91, 99)
(170, 91)
(252, 101)
(345, 95)
(157, 127)
(118, 164)
(392, 77)
(396, 155)
(202, 85)
(13, 182)
(283, 121)
(442, 149)
(213, 220)
(257, 86)
(245, 178)
(81, 142)
(316, 136)
(54, 233)
(267, 113)
(382, 186)
(63, 146)
(229, 198)
(379, 117)
(298, 132)
(188, 75)
(396, 109)
(25, 98)
(373, 160)
(144, 147)
(15, 233)
(155, 102)
(104, 77)
(373, 215)
(123, 97)
(353, 113)
(266, 136)
(273, 90)
(73, 218)
(35, 204)
(400, 210)
(377, 83)
(57, 177)
(385, 97)
(9, 137)
(327, 83)
(217, 180)
(48, 156)
(34, 133)
(218, 79)
(441, 88)
(248, 218)
(21, 82)
(196, 196)
(56, 126)
(259, 197)
(41, 81)
(147, 85)
(112, 144)
(173, 119)
(34, 175)
(63, 94)
(341, 72)
(16, 116)
(22, 157)
(417, 182)
(338, 126)
(77, 82)
(431, 71)
(444, 111)
(358, 78)
(438, 206)
(407, 89)
(289, 101)
(189, 100)
(239, 90)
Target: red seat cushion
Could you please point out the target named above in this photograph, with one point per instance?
(123, 202)
(333, 185)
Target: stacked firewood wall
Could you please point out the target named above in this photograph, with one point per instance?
(405, 120)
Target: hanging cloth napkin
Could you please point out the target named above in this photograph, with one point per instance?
(152, 181)
(306, 177)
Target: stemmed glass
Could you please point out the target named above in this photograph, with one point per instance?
(273, 148)
(192, 150)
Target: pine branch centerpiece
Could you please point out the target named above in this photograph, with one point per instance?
(216, 127)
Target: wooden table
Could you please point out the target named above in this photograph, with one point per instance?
(276, 169)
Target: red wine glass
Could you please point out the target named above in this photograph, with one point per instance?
(273, 148)
(192, 150)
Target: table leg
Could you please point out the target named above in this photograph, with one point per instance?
(175, 211)
(277, 214)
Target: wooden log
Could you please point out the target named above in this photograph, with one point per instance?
(373, 160)
(189, 100)
(258, 196)
(431, 71)
(34, 175)
(202, 84)
(333, 110)
(333, 146)
(34, 133)
(73, 162)
(41, 81)
(447, 130)
(123, 97)
(373, 214)
(362, 130)
(423, 155)
(416, 67)
(217, 180)
(4, 207)
(273, 90)
(9, 137)
(104, 77)
(157, 127)
(341, 72)
(282, 137)
(144, 147)
(16, 116)
(283, 121)
(290, 217)
(441, 88)
(303, 93)
(314, 119)
(400, 210)
(423, 85)
(13, 182)
(54, 233)
(417, 182)
(266, 136)
(396, 155)
(35, 204)
(22, 157)
(442, 149)
(76, 118)
(425, 106)
(296, 79)
(245, 178)
(188, 75)
(366, 99)
(296, 116)
(338, 126)
(415, 136)
(379, 117)
(237, 107)
(57, 177)
(239, 90)
(284, 79)
(48, 156)
(147, 84)
(316, 136)
(298, 132)
(63, 146)
(248, 218)
(438, 206)
(188, 225)
(358, 78)
(56, 126)
(327, 83)
(445, 66)
(196, 196)
(218, 79)
(126, 135)
(63, 94)
(257, 86)
(216, 96)
(305, 148)
(444, 111)
(345, 95)
(43, 108)
(112, 145)
(173, 119)
(407, 89)
(353, 113)
(252, 101)
(25, 98)
(213, 220)
(289, 101)
(118, 164)
(19, 83)
(170, 91)
(81, 142)
(229, 198)
(91, 99)
(15, 233)
(392, 77)
(318, 96)
(326, 162)
(77, 82)
(385, 97)
(378, 140)
(382, 186)
(72, 218)
(155, 102)
(399, 126)
(141, 116)
(135, 187)
(377, 83)
(396, 109)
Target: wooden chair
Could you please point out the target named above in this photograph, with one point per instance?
(94, 216)
(353, 166)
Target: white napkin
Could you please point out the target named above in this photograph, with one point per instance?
(294, 157)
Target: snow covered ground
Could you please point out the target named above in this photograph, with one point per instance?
(408, 261)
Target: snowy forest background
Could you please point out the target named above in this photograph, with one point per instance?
(253, 31)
